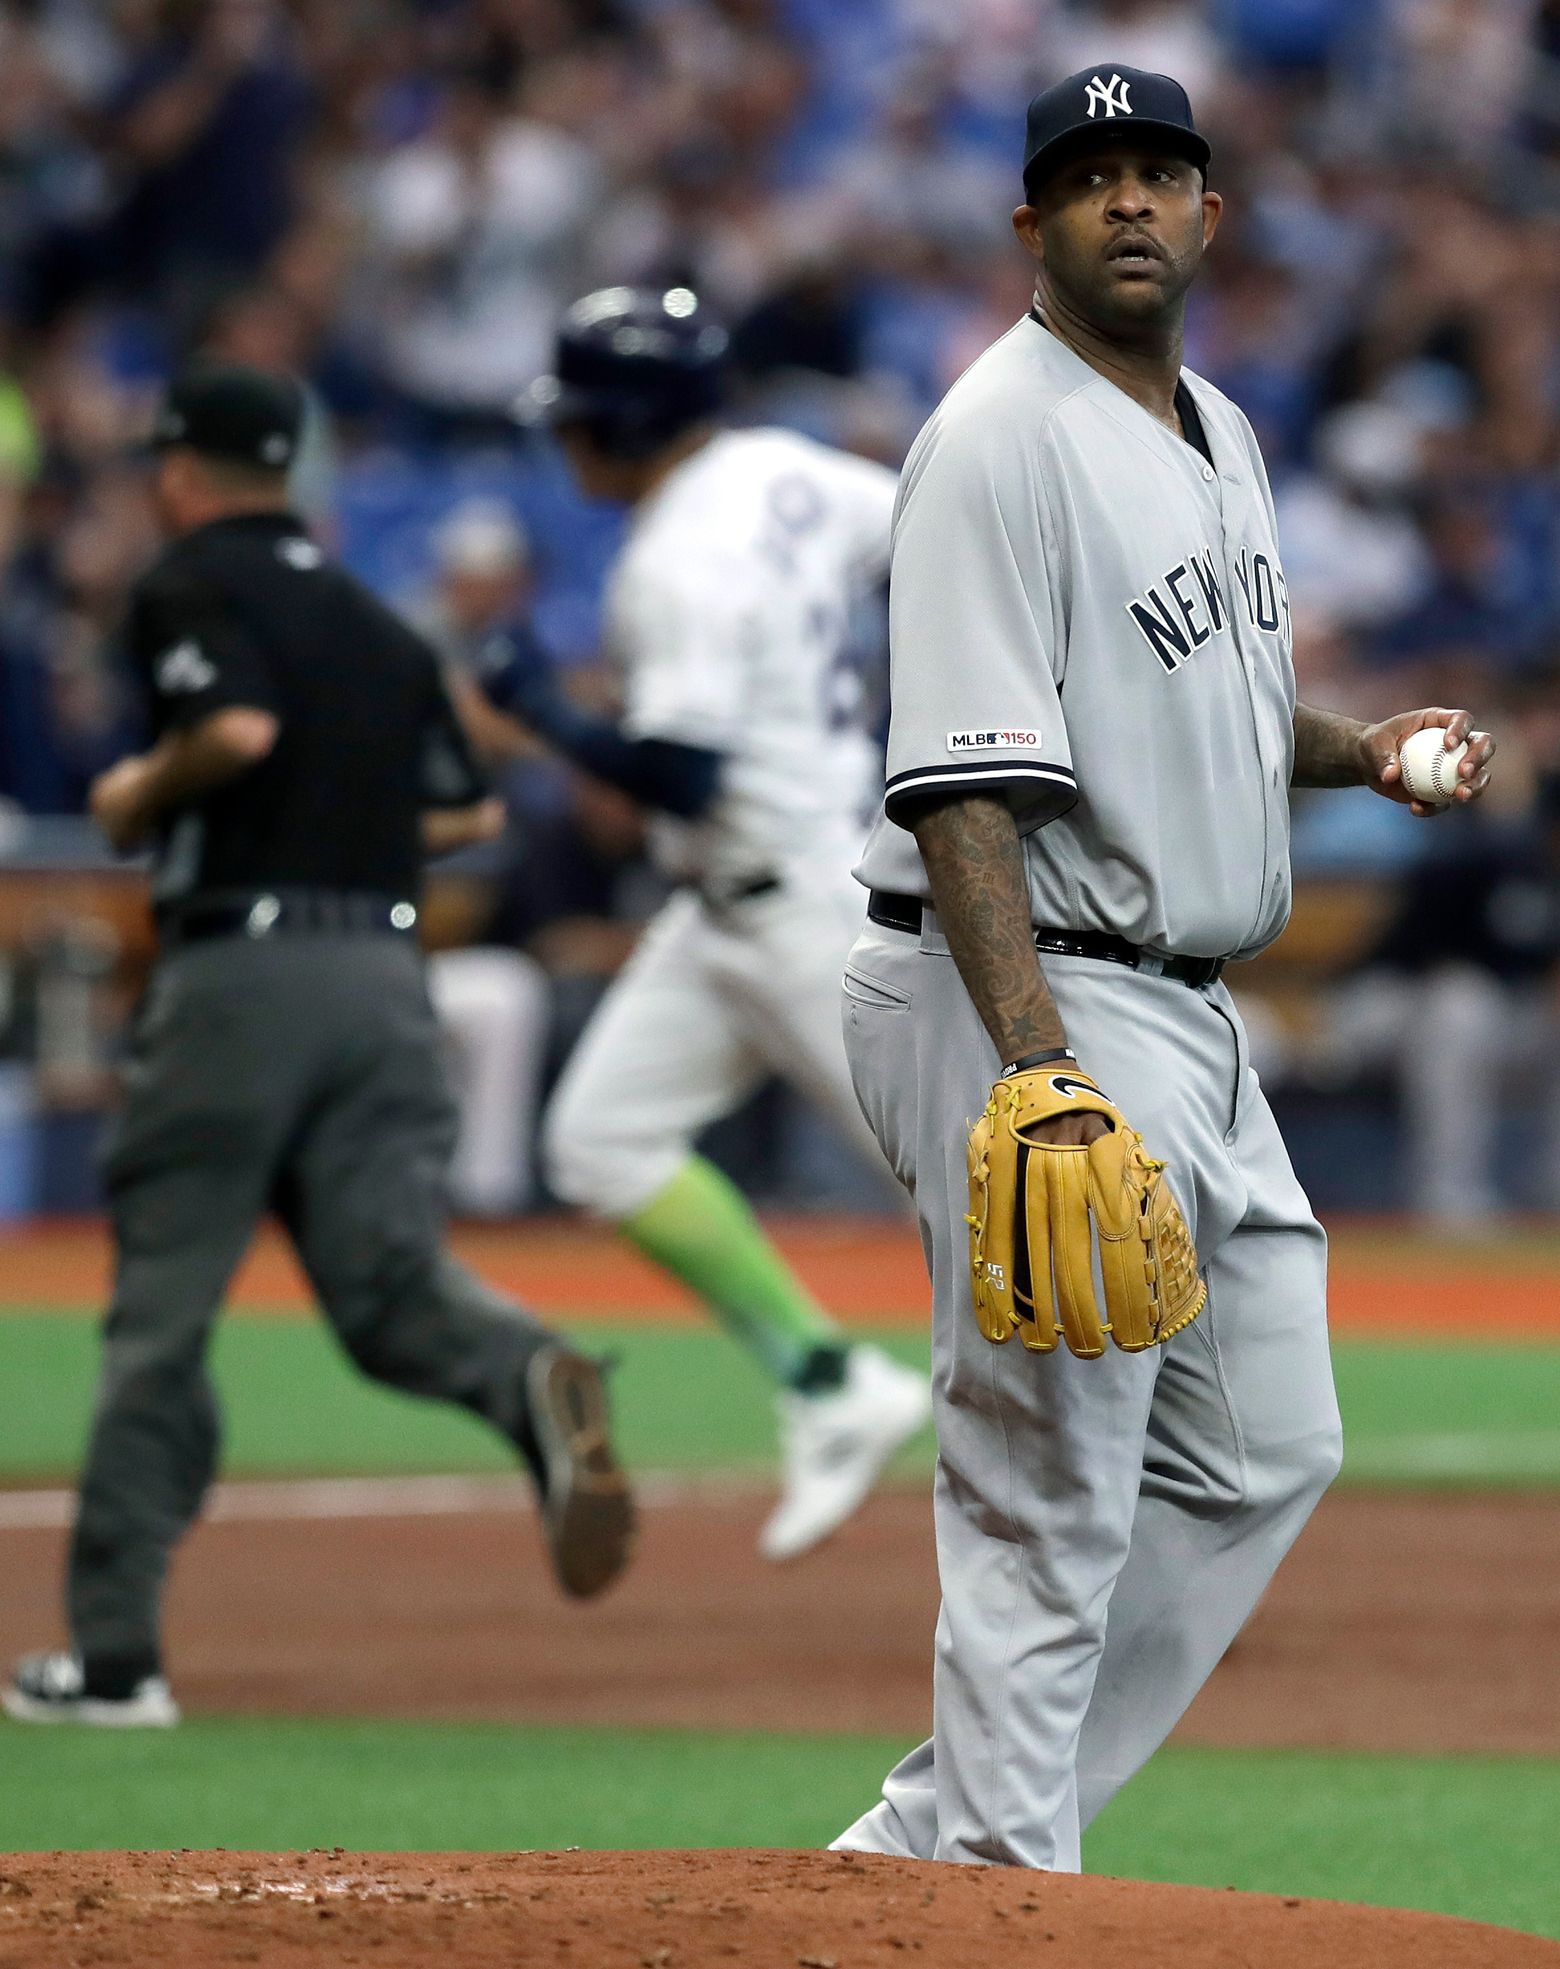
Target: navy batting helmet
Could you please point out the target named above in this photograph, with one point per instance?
(635, 366)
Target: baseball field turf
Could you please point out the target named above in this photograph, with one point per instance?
(1470, 1834)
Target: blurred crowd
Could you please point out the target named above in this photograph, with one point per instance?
(395, 198)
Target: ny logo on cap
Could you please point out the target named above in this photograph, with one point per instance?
(1109, 96)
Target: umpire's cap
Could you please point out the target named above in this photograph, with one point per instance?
(229, 410)
(635, 366)
(1104, 102)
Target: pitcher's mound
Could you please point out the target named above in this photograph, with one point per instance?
(684, 1911)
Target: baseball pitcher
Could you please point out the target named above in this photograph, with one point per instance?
(1093, 736)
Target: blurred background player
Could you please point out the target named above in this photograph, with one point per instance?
(728, 623)
(493, 1002)
(286, 1056)
(1466, 971)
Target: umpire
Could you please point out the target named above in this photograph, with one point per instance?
(285, 1055)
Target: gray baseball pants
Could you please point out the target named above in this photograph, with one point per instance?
(300, 1074)
(1103, 1527)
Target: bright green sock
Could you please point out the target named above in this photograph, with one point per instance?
(700, 1227)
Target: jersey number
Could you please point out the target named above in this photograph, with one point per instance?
(794, 509)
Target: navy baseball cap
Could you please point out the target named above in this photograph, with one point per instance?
(640, 363)
(1107, 101)
(230, 410)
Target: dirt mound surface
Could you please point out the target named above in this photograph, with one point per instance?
(707, 1910)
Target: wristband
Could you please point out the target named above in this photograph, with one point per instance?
(1027, 1062)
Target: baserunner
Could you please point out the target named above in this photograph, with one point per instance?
(742, 731)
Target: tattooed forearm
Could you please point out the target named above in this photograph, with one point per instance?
(975, 863)
(1327, 749)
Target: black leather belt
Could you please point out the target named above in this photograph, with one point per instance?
(896, 912)
(265, 913)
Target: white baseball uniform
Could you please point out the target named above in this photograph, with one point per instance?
(728, 617)
(1088, 622)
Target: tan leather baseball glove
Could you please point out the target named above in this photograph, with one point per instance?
(1040, 1211)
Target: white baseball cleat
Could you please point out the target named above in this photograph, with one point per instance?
(50, 1688)
(834, 1446)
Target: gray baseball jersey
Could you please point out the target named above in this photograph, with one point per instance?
(1090, 621)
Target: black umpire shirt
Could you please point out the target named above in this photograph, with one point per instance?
(247, 611)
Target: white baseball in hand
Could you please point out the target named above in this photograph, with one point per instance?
(1429, 766)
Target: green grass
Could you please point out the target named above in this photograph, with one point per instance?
(1451, 1413)
(1468, 1836)
(271, 1784)
(686, 1400)
(1456, 1414)
(1448, 1835)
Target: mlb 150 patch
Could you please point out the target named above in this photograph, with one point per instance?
(993, 741)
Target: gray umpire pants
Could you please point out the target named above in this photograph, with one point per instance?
(1103, 1527)
(301, 1074)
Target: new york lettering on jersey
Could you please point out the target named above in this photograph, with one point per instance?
(1186, 607)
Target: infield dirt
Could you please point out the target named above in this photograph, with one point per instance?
(1364, 1642)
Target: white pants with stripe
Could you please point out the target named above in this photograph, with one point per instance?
(709, 1006)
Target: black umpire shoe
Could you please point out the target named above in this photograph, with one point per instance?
(587, 1509)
